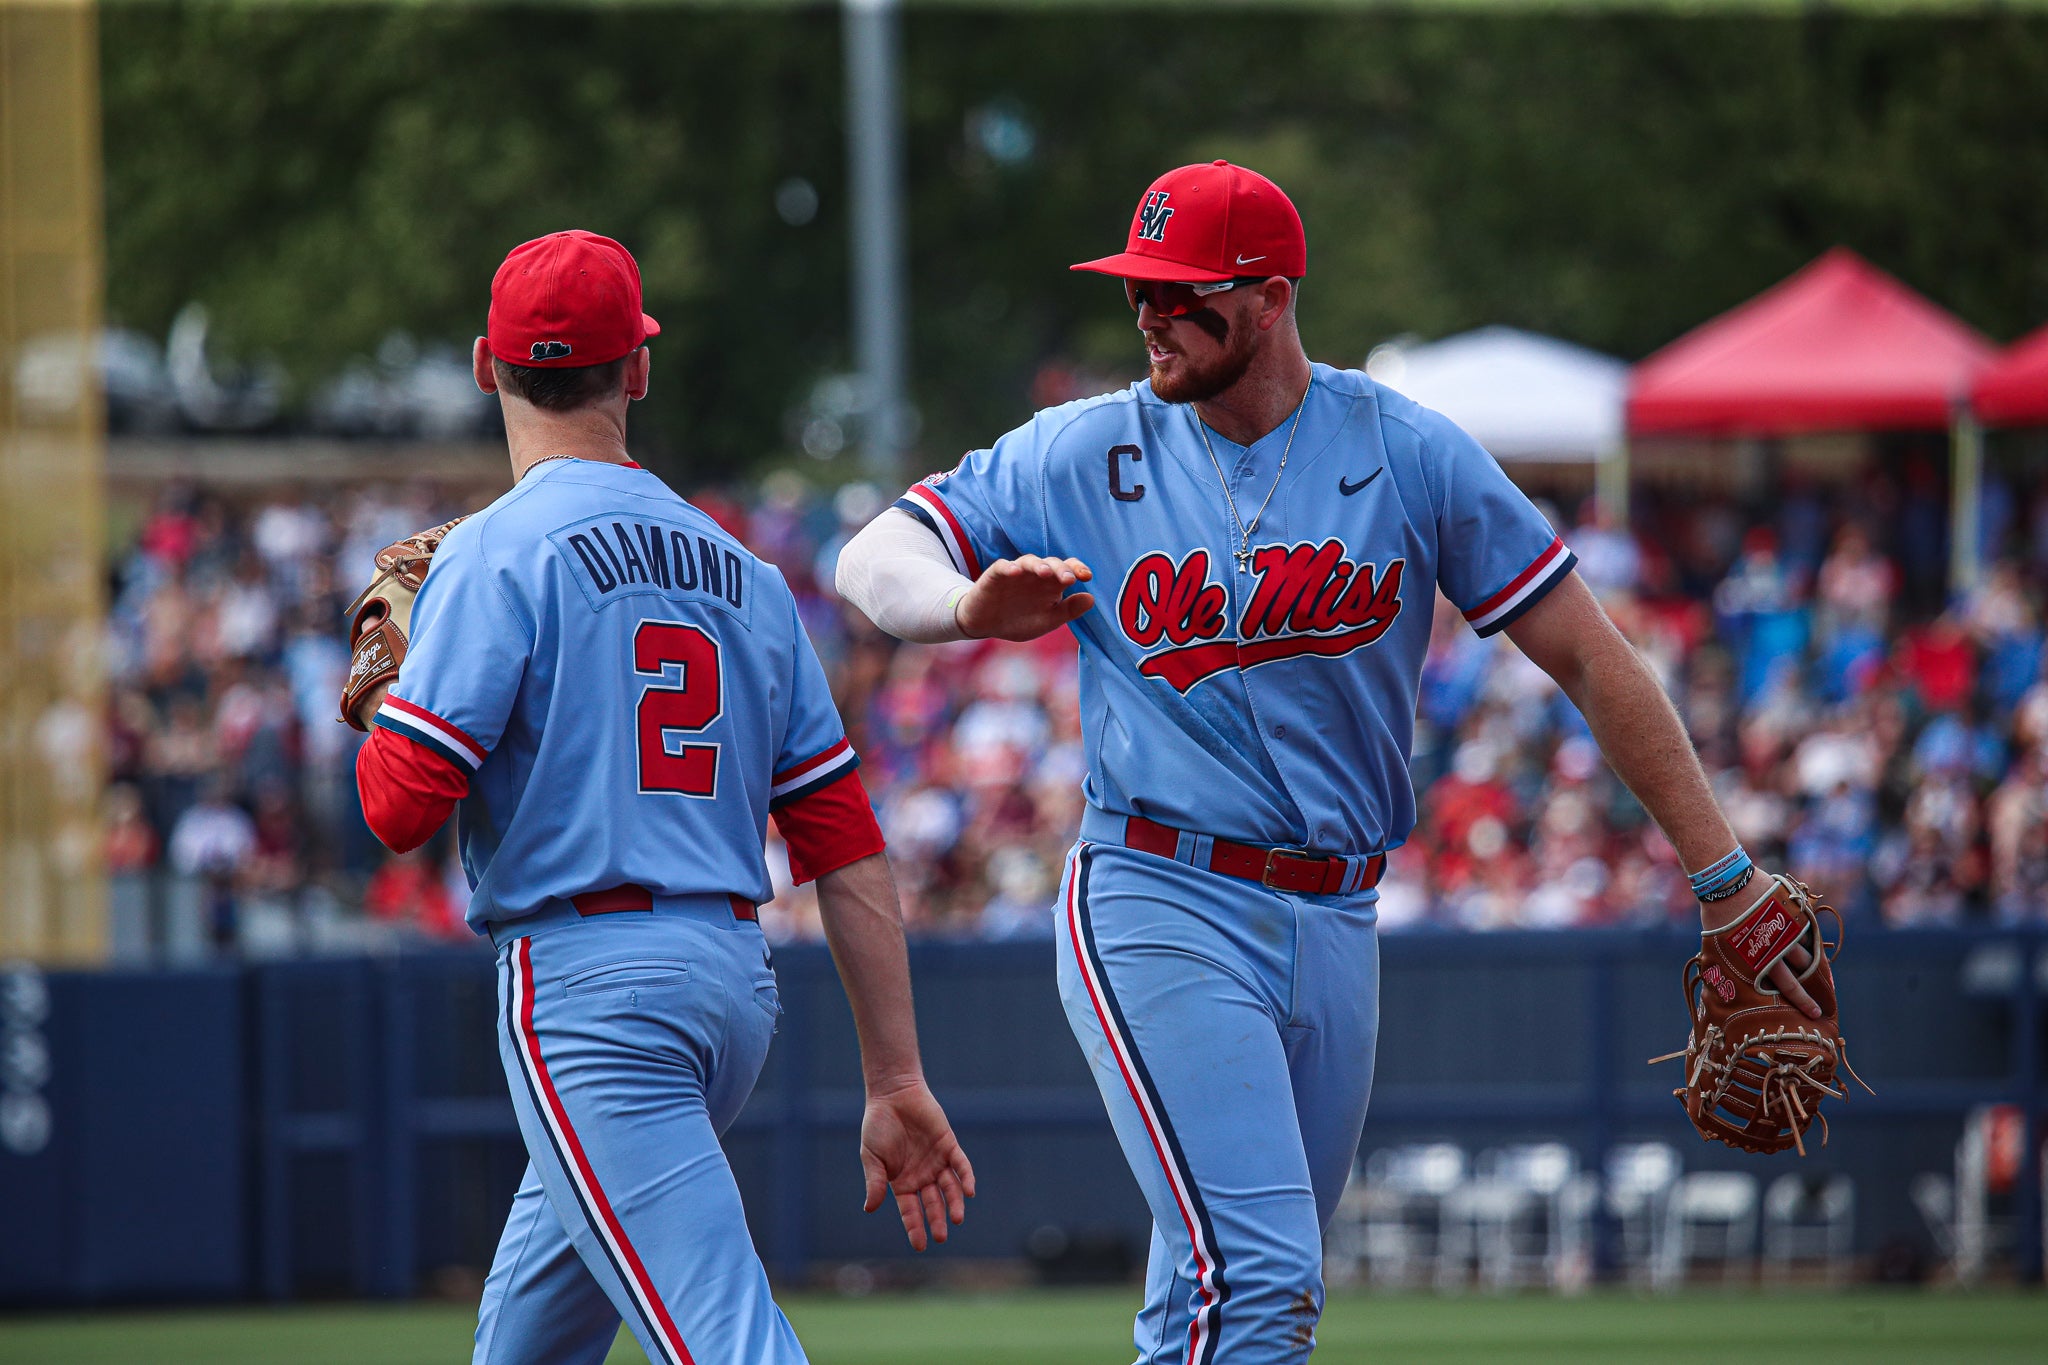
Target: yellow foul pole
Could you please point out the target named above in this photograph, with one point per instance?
(52, 886)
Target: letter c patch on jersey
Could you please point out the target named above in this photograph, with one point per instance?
(1116, 473)
(1311, 601)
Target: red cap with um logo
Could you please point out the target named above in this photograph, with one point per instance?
(1207, 223)
(567, 299)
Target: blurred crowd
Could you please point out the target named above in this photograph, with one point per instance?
(1884, 743)
(1879, 741)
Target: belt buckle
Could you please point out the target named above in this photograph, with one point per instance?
(1266, 873)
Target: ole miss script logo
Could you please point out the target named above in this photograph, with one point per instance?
(1310, 600)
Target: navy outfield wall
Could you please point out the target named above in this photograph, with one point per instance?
(125, 1149)
(340, 1127)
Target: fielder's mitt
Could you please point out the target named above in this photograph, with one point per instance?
(380, 621)
(1757, 1067)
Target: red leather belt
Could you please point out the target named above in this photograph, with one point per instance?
(634, 897)
(1282, 869)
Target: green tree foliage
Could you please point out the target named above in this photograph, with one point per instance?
(319, 176)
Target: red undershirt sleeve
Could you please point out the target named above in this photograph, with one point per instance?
(408, 790)
(829, 828)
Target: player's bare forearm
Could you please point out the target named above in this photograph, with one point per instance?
(864, 928)
(906, 1145)
(1570, 636)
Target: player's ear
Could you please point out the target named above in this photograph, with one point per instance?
(1275, 297)
(480, 366)
(639, 366)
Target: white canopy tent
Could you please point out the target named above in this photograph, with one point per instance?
(1522, 396)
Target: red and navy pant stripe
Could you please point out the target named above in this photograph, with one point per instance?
(1214, 1289)
(658, 1326)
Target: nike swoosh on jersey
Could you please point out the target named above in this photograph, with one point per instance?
(1347, 488)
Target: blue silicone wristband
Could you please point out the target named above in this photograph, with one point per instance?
(1723, 877)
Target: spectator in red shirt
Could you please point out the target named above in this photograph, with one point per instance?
(1471, 795)
(132, 845)
(1940, 662)
(171, 534)
(407, 890)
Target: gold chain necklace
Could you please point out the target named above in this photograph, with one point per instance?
(543, 460)
(1243, 553)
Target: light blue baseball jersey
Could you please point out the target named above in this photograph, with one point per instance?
(627, 686)
(1272, 704)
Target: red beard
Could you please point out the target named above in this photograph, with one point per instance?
(1196, 383)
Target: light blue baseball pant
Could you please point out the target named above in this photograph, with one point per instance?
(1231, 1030)
(631, 1040)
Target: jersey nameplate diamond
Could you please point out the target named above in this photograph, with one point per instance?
(613, 558)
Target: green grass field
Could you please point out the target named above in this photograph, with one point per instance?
(1092, 1328)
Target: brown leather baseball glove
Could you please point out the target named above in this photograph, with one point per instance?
(380, 621)
(1757, 1067)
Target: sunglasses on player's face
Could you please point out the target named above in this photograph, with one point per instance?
(1172, 300)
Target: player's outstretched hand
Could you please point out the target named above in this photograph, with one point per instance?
(1023, 598)
(906, 1143)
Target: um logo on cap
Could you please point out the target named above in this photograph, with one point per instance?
(549, 350)
(1152, 216)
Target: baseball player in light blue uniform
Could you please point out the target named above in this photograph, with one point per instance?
(1248, 548)
(619, 695)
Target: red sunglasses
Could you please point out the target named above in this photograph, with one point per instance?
(1174, 300)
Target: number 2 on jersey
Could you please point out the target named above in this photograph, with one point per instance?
(692, 769)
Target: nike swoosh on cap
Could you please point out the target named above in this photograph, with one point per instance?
(1347, 488)
(1247, 260)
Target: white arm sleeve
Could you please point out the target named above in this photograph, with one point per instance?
(898, 573)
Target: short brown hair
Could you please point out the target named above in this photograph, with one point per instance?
(560, 388)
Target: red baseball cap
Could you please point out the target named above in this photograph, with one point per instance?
(567, 299)
(1208, 223)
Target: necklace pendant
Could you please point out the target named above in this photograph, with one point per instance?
(1243, 558)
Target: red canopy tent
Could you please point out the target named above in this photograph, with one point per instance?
(1840, 346)
(2013, 392)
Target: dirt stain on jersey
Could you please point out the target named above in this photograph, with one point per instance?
(1302, 1309)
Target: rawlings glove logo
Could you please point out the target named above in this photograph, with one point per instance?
(1764, 938)
(372, 657)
